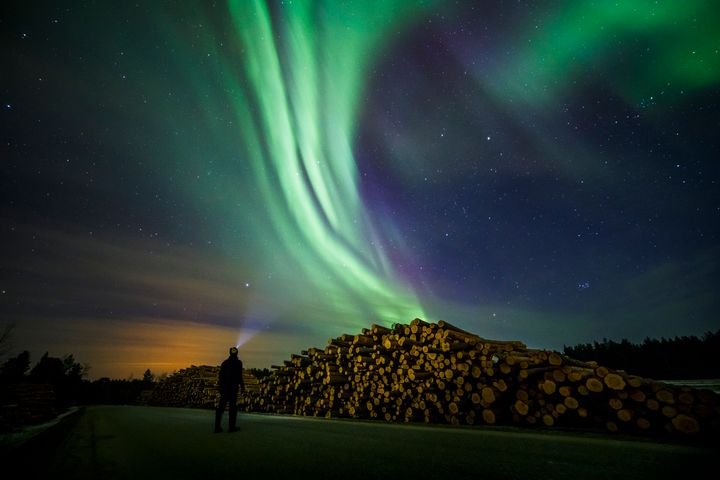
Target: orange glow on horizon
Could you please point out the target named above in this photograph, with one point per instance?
(125, 349)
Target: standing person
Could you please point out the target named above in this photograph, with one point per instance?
(229, 379)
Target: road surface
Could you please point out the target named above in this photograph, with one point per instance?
(129, 442)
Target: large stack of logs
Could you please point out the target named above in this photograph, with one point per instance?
(439, 373)
(194, 387)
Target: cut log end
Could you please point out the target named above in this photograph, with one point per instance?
(594, 385)
(685, 424)
(521, 407)
(488, 416)
(548, 420)
(614, 381)
(555, 359)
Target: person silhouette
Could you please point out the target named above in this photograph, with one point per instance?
(230, 379)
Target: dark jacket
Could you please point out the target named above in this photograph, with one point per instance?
(231, 375)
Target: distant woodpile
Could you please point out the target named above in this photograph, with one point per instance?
(439, 373)
(26, 403)
(194, 387)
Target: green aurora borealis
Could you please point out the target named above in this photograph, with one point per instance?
(679, 39)
(300, 149)
(294, 170)
(296, 100)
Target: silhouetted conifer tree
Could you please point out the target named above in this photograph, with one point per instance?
(685, 357)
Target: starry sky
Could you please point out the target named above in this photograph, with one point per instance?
(179, 177)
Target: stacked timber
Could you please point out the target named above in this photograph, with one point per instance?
(439, 373)
(26, 404)
(195, 386)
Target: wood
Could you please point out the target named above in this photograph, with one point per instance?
(669, 411)
(488, 395)
(488, 416)
(427, 372)
(686, 398)
(555, 359)
(637, 395)
(594, 385)
(625, 414)
(614, 381)
(642, 423)
(601, 372)
(634, 381)
(521, 407)
(686, 424)
(665, 396)
(548, 387)
(558, 376)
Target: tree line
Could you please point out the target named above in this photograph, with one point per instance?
(686, 357)
(67, 378)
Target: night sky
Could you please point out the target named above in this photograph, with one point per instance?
(179, 177)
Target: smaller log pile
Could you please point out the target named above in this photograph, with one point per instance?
(26, 404)
(439, 373)
(195, 387)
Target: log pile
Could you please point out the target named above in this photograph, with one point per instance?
(26, 404)
(195, 387)
(439, 373)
